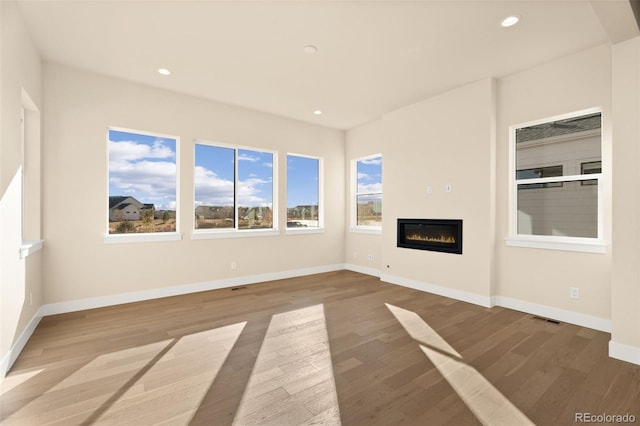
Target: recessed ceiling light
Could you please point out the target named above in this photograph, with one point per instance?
(510, 21)
(317, 112)
(164, 71)
(310, 49)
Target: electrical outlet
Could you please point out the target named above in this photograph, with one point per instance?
(233, 266)
(355, 254)
(448, 188)
(574, 292)
(369, 257)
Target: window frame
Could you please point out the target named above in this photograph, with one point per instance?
(235, 232)
(554, 242)
(582, 163)
(143, 236)
(30, 172)
(542, 185)
(354, 197)
(321, 224)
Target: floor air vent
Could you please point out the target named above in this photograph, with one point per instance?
(552, 321)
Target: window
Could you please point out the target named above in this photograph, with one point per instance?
(368, 192)
(303, 192)
(540, 172)
(234, 188)
(30, 182)
(588, 168)
(142, 183)
(558, 195)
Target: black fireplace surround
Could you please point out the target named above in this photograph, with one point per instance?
(443, 235)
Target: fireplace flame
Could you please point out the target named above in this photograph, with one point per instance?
(448, 239)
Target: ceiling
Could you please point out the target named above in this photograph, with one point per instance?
(372, 56)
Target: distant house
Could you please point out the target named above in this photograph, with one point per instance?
(255, 213)
(128, 208)
(214, 212)
(303, 212)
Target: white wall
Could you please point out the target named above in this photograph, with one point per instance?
(625, 292)
(80, 106)
(361, 142)
(447, 139)
(19, 278)
(543, 277)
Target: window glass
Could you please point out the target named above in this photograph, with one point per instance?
(233, 188)
(570, 212)
(368, 197)
(554, 195)
(255, 189)
(589, 168)
(539, 172)
(214, 177)
(303, 189)
(142, 182)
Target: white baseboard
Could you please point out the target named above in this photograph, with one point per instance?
(452, 293)
(11, 356)
(362, 269)
(118, 299)
(561, 315)
(624, 352)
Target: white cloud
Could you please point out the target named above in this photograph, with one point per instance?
(245, 157)
(211, 189)
(372, 161)
(133, 151)
(139, 170)
(147, 181)
(373, 187)
(250, 195)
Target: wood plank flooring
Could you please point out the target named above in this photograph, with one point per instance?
(335, 348)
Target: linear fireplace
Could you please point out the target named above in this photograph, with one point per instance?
(444, 235)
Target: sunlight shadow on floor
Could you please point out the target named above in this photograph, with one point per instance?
(482, 398)
(130, 385)
(15, 380)
(292, 380)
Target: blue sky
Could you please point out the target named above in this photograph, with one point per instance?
(302, 181)
(143, 167)
(369, 175)
(214, 174)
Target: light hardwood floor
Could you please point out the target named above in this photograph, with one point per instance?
(335, 348)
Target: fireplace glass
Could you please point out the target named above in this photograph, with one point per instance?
(443, 235)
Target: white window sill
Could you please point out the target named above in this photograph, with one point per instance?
(30, 247)
(242, 233)
(584, 245)
(362, 230)
(142, 238)
(304, 231)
